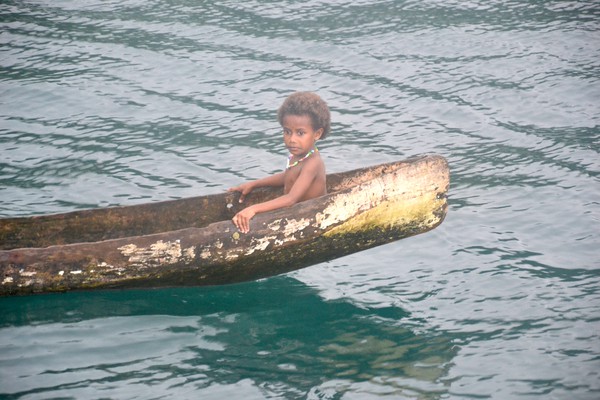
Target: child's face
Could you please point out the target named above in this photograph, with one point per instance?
(298, 134)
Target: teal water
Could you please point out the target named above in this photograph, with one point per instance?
(107, 103)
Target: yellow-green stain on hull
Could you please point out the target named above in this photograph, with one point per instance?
(393, 213)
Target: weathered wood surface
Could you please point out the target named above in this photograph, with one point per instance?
(367, 208)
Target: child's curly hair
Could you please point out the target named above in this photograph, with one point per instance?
(307, 103)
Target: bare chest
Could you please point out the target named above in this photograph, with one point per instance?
(291, 175)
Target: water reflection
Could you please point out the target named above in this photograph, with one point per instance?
(278, 333)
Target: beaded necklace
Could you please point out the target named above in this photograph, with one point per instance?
(310, 153)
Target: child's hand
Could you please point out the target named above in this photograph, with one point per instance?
(244, 189)
(242, 219)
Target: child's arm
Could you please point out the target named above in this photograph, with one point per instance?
(245, 188)
(296, 193)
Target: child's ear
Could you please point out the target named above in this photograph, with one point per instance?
(318, 133)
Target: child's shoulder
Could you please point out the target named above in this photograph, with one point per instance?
(316, 157)
(316, 162)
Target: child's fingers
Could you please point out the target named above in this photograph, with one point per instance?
(244, 224)
(244, 192)
(241, 223)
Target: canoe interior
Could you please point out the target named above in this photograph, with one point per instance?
(118, 222)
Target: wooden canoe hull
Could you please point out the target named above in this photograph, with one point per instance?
(366, 208)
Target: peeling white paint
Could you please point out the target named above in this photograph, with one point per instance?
(274, 226)
(128, 249)
(363, 197)
(77, 272)
(231, 256)
(27, 273)
(61, 273)
(106, 266)
(157, 254)
(205, 254)
(190, 253)
(8, 279)
(260, 244)
(292, 226)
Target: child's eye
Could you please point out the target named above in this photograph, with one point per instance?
(300, 133)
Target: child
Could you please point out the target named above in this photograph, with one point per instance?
(305, 118)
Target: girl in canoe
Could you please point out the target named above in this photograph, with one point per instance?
(305, 118)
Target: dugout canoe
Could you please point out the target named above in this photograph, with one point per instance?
(193, 241)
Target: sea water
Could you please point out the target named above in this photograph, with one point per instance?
(107, 103)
